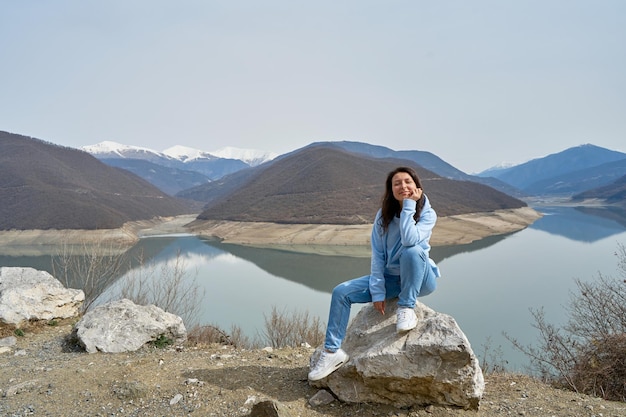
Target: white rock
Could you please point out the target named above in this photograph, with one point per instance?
(28, 294)
(123, 326)
(432, 364)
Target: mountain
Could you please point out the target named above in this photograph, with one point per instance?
(426, 160)
(179, 157)
(549, 175)
(324, 184)
(494, 170)
(251, 157)
(611, 193)
(167, 179)
(45, 186)
(185, 153)
(578, 181)
(114, 150)
(191, 159)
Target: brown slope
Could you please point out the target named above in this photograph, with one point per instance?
(45, 186)
(324, 185)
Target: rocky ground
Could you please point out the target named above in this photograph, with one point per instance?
(41, 375)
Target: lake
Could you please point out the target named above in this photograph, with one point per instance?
(488, 286)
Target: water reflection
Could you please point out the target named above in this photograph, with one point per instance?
(323, 273)
(440, 253)
(583, 224)
(614, 213)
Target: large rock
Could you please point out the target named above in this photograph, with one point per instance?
(123, 326)
(27, 294)
(432, 364)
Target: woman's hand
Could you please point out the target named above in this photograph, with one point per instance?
(417, 194)
(380, 307)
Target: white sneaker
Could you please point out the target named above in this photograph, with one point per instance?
(327, 364)
(407, 319)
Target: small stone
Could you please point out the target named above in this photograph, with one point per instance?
(8, 341)
(322, 397)
(176, 399)
(269, 408)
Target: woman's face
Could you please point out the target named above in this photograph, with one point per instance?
(402, 186)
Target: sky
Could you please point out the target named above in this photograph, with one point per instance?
(478, 83)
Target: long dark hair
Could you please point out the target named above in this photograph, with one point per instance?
(392, 207)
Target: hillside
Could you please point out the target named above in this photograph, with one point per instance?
(426, 160)
(45, 186)
(565, 172)
(325, 185)
(578, 181)
(612, 193)
(168, 179)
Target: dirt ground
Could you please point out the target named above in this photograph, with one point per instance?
(42, 376)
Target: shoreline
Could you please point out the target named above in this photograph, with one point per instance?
(350, 240)
(354, 240)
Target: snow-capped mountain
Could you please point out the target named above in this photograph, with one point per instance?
(252, 157)
(186, 154)
(110, 149)
(182, 159)
(496, 168)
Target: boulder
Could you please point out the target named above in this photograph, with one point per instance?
(123, 326)
(27, 294)
(431, 364)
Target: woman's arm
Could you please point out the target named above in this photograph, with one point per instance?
(412, 234)
(377, 277)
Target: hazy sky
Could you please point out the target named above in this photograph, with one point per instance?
(475, 82)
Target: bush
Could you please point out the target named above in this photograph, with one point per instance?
(588, 354)
(91, 267)
(106, 271)
(284, 329)
(167, 286)
(209, 334)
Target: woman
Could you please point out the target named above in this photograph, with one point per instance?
(401, 266)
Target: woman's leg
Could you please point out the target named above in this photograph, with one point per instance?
(344, 295)
(417, 278)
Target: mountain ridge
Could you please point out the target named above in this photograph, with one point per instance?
(554, 174)
(47, 186)
(541, 176)
(324, 184)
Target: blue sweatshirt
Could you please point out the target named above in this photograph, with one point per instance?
(402, 232)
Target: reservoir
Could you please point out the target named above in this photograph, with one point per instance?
(489, 286)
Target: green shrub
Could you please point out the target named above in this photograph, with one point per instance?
(162, 342)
